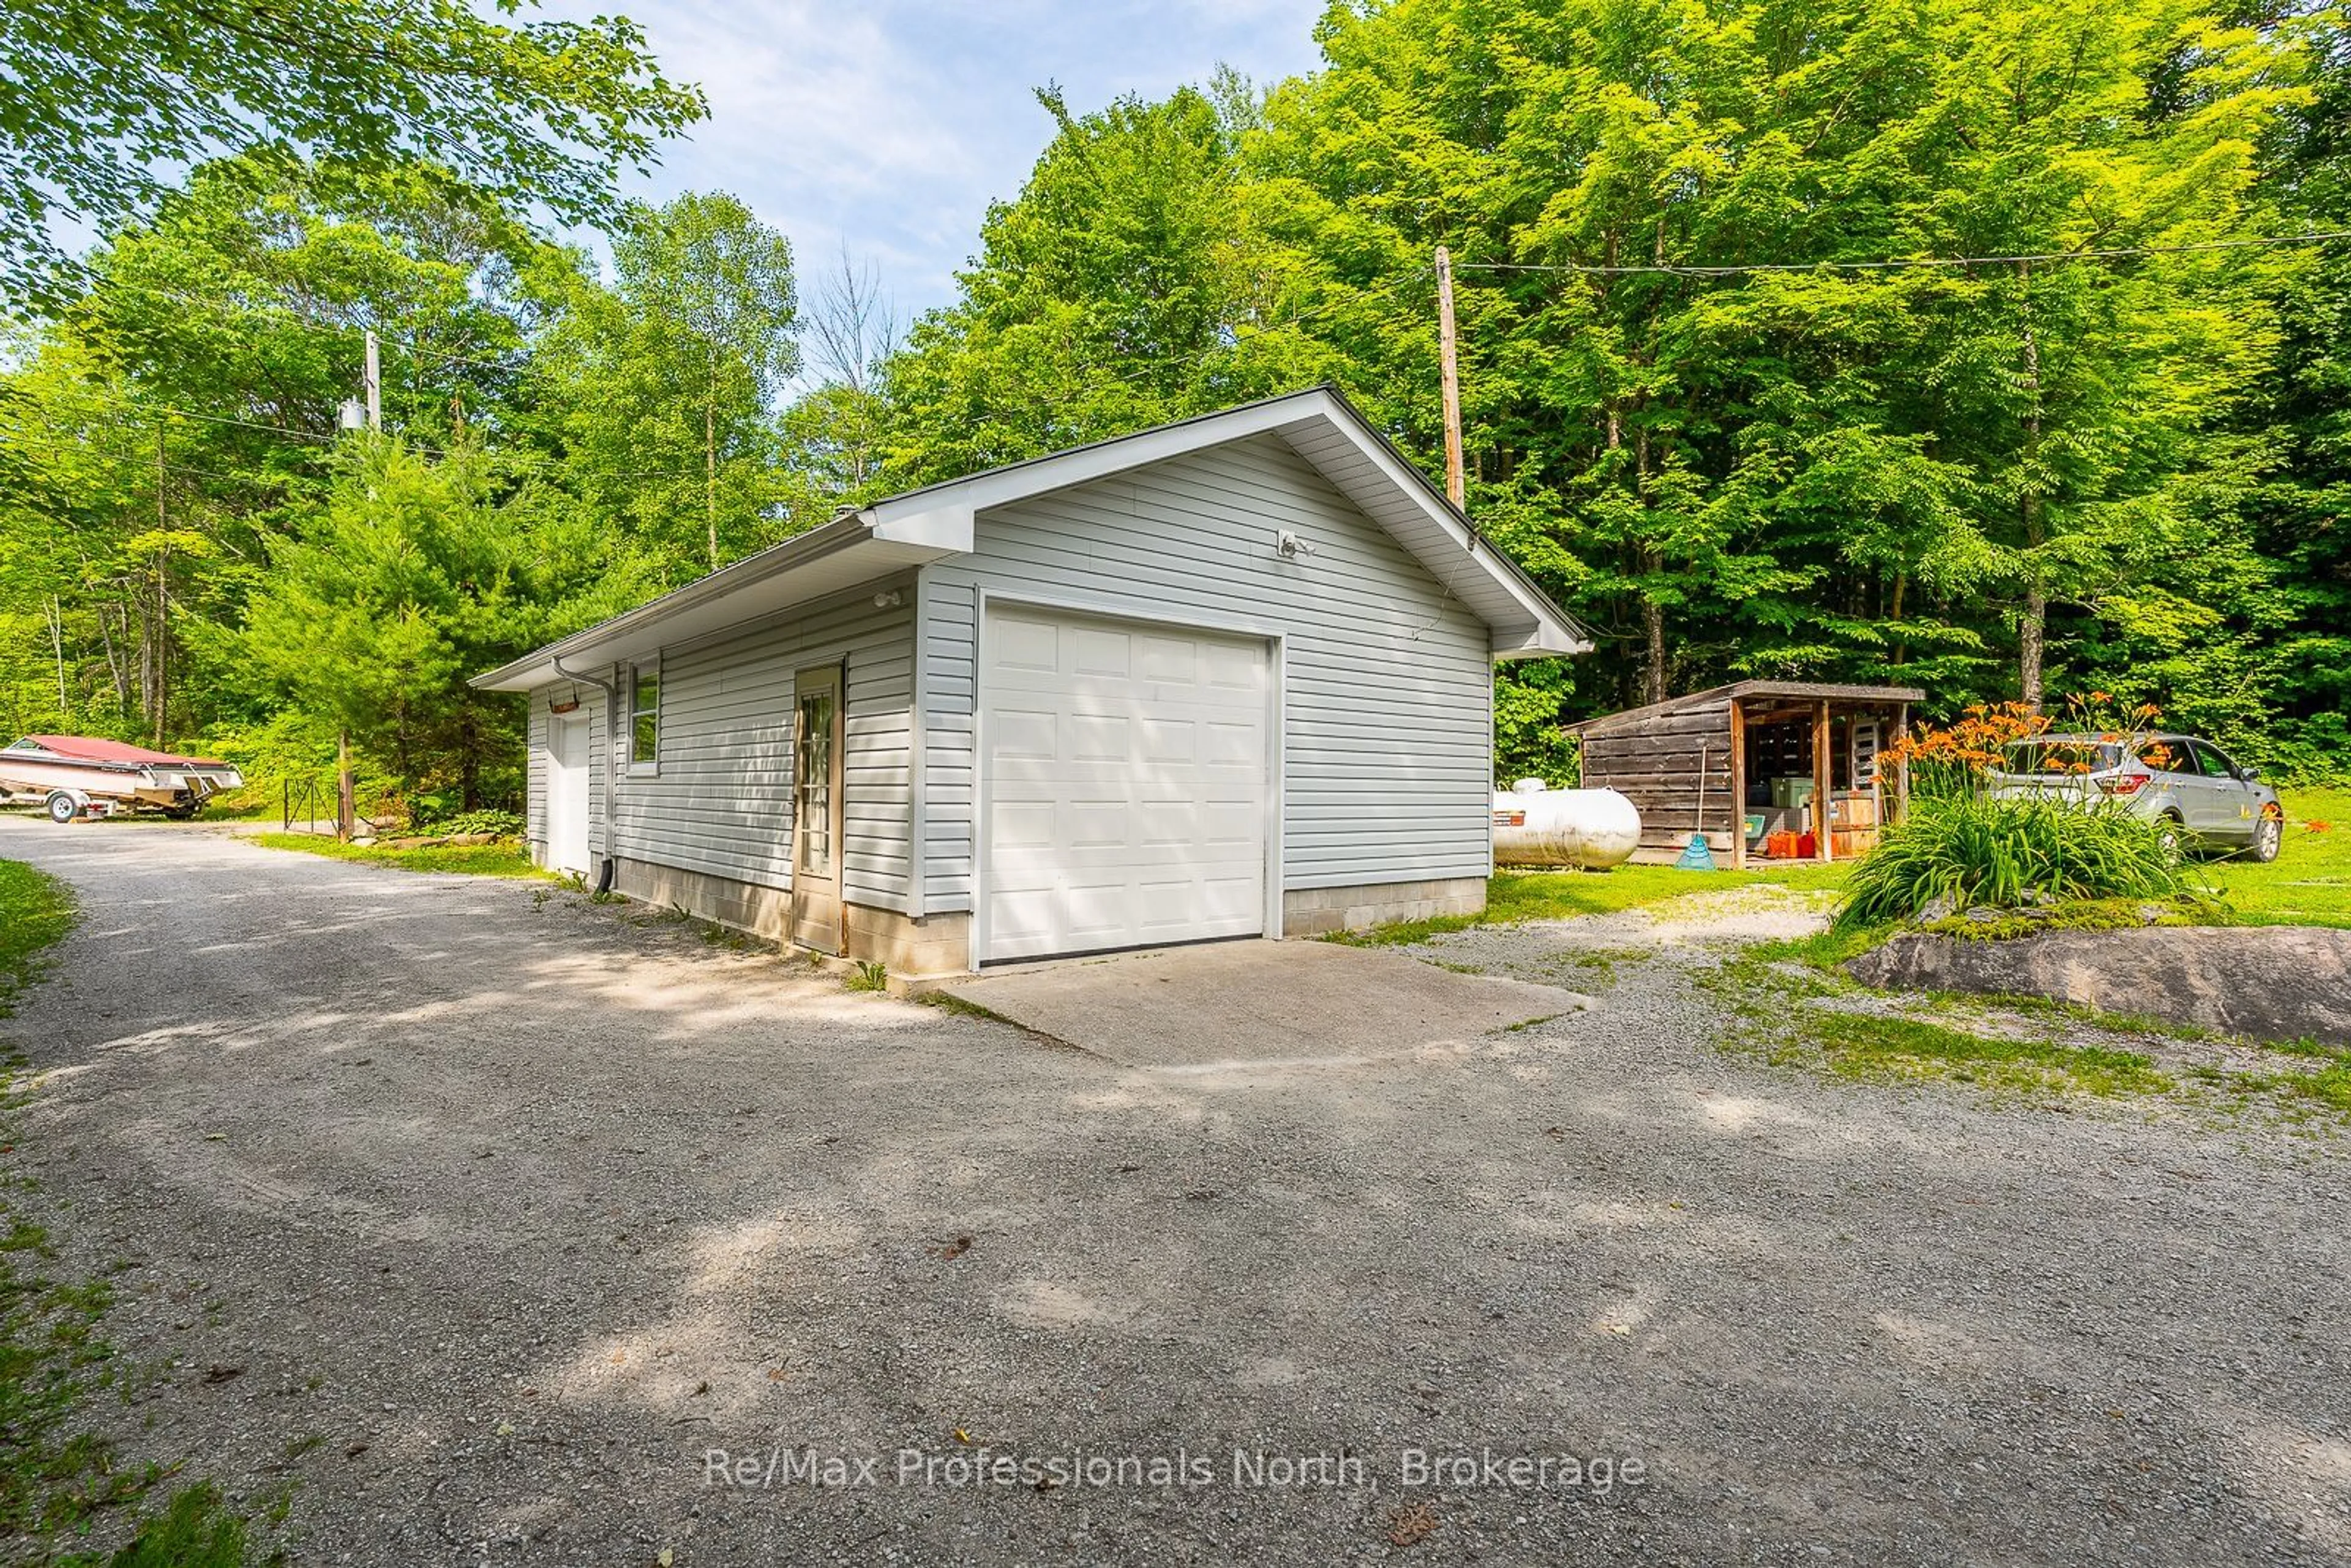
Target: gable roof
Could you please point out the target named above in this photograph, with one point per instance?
(938, 522)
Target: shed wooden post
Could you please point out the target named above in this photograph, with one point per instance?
(1823, 774)
(1902, 768)
(1738, 785)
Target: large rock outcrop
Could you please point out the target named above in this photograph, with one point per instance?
(2270, 982)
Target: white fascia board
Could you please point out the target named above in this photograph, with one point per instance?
(825, 560)
(1083, 464)
(943, 516)
(940, 521)
(1545, 635)
(1549, 640)
(948, 526)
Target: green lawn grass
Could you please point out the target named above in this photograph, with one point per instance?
(35, 911)
(471, 860)
(1864, 1045)
(2310, 881)
(57, 1478)
(2308, 885)
(1516, 897)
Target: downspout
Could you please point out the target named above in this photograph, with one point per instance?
(606, 867)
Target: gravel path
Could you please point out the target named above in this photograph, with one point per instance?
(508, 1210)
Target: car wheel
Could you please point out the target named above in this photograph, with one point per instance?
(60, 807)
(2269, 834)
(2174, 834)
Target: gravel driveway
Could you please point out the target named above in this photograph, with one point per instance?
(511, 1211)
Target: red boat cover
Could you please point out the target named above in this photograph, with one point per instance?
(87, 748)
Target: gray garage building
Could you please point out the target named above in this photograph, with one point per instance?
(1226, 677)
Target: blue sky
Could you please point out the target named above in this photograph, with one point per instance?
(890, 125)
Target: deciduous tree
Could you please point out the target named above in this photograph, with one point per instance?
(101, 99)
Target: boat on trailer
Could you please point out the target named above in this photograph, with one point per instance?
(76, 776)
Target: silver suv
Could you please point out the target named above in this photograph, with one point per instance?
(2177, 779)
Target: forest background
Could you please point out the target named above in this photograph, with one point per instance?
(1993, 347)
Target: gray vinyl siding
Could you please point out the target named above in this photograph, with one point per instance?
(592, 703)
(1388, 680)
(534, 788)
(949, 693)
(721, 802)
(598, 704)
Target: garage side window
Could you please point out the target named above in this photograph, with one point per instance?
(645, 719)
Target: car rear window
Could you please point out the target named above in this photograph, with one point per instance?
(2045, 757)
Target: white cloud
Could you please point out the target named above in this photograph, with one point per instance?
(892, 124)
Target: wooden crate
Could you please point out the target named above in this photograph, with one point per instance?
(1856, 810)
(1852, 843)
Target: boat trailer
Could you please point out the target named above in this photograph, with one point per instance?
(77, 777)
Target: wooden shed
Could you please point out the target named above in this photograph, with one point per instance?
(1749, 764)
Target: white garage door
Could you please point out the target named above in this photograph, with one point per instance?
(1126, 781)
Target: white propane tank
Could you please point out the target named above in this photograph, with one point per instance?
(1538, 826)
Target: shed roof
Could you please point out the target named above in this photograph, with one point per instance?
(937, 521)
(1741, 691)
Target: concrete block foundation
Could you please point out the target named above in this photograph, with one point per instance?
(1319, 911)
(939, 944)
(910, 948)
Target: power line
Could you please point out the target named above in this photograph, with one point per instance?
(1129, 370)
(2114, 253)
(1137, 370)
(157, 412)
(292, 317)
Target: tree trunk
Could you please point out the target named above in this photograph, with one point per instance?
(58, 646)
(157, 690)
(114, 659)
(2033, 622)
(146, 648)
(710, 462)
(469, 773)
(1901, 649)
(1653, 614)
(2032, 637)
(1653, 626)
(403, 762)
(163, 644)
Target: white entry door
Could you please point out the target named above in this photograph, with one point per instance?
(1124, 782)
(567, 794)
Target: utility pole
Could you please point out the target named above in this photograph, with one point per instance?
(346, 790)
(162, 597)
(1457, 486)
(710, 461)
